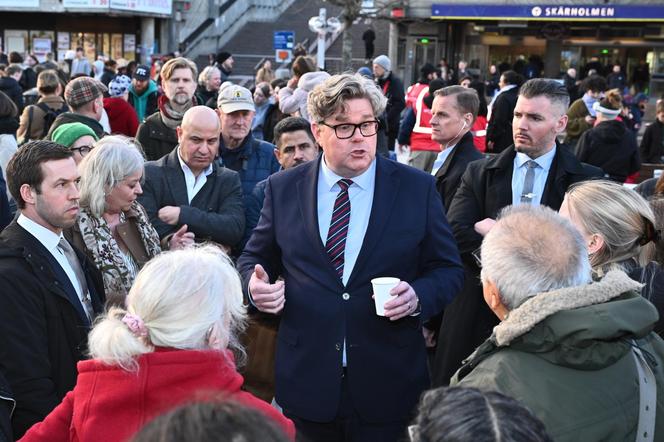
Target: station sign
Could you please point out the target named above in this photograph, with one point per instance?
(567, 12)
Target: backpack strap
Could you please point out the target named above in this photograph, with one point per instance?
(645, 430)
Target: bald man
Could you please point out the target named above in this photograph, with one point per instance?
(188, 187)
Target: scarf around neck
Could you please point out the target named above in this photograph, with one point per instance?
(170, 116)
(105, 251)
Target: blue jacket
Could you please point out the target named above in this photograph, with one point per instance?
(254, 160)
(407, 237)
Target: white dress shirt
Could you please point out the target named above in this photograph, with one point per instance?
(541, 174)
(361, 194)
(50, 241)
(193, 183)
(440, 159)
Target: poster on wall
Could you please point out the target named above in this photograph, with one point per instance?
(41, 46)
(63, 45)
(152, 6)
(87, 4)
(130, 47)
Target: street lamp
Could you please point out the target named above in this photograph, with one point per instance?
(322, 25)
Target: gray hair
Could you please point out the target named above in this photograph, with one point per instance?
(532, 250)
(206, 74)
(553, 90)
(185, 298)
(619, 215)
(450, 414)
(113, 159)
(331, 95)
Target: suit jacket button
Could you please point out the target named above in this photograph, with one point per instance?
(345, 296)
(337, 346)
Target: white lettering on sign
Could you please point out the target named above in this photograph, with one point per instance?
(566, 11)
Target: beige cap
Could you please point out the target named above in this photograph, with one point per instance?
(235, 98)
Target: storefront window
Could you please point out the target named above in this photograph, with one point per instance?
(16, 41)
(116, 46)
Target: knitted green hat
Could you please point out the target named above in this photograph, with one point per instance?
(67, 134)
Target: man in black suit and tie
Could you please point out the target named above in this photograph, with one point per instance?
(49, 293)
(328, 228)
(453, 113)
(534, 170)
(188, 188)
(499, 128)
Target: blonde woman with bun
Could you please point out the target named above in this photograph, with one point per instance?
(176, 341)
(621, 233)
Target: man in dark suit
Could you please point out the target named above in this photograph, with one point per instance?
(188, 188)
(327, 228)
(499, 129)
(453, 111)
(49, 292)
(534, 170)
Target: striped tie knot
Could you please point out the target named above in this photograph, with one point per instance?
(336, 236)
(344, 183)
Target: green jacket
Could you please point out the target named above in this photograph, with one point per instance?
(566, 355)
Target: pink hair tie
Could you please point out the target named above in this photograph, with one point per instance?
(135, 325)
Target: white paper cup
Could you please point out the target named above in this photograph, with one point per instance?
(381, 289)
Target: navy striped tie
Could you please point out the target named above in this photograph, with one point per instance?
(336, 236)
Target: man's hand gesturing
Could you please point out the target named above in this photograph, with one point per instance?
(268, 298)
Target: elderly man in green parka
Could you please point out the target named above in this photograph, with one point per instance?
(568, 349)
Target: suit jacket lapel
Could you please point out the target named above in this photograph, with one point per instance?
(307, 197)
(499, 191)
(65, 289)
(385, 193)
(175, 179)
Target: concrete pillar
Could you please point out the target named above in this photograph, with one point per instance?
(552, 58)
(147, 38)
(393, 44)
(167, 36)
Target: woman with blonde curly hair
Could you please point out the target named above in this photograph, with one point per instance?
(175, 342)
(112, 228)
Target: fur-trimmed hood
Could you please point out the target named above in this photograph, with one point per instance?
(522, 319)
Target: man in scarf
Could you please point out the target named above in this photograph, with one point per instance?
(157, 133)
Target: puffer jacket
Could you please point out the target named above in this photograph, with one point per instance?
(567, 356)
(611, 147)
(293, 101)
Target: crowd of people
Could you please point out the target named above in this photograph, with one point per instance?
(186, 258)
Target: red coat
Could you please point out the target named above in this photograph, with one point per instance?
(122, 116)
(111, 404)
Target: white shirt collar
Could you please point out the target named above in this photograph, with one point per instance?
(186, 168)
(363, 181)
(46, 237)
(543, 161)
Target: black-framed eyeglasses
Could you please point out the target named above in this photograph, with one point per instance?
(344, 131)
(82, 150)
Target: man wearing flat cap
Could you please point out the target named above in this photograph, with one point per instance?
(85, 98)
(253, 159)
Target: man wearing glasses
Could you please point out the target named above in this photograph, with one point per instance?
(78, 137)
(328, 228)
